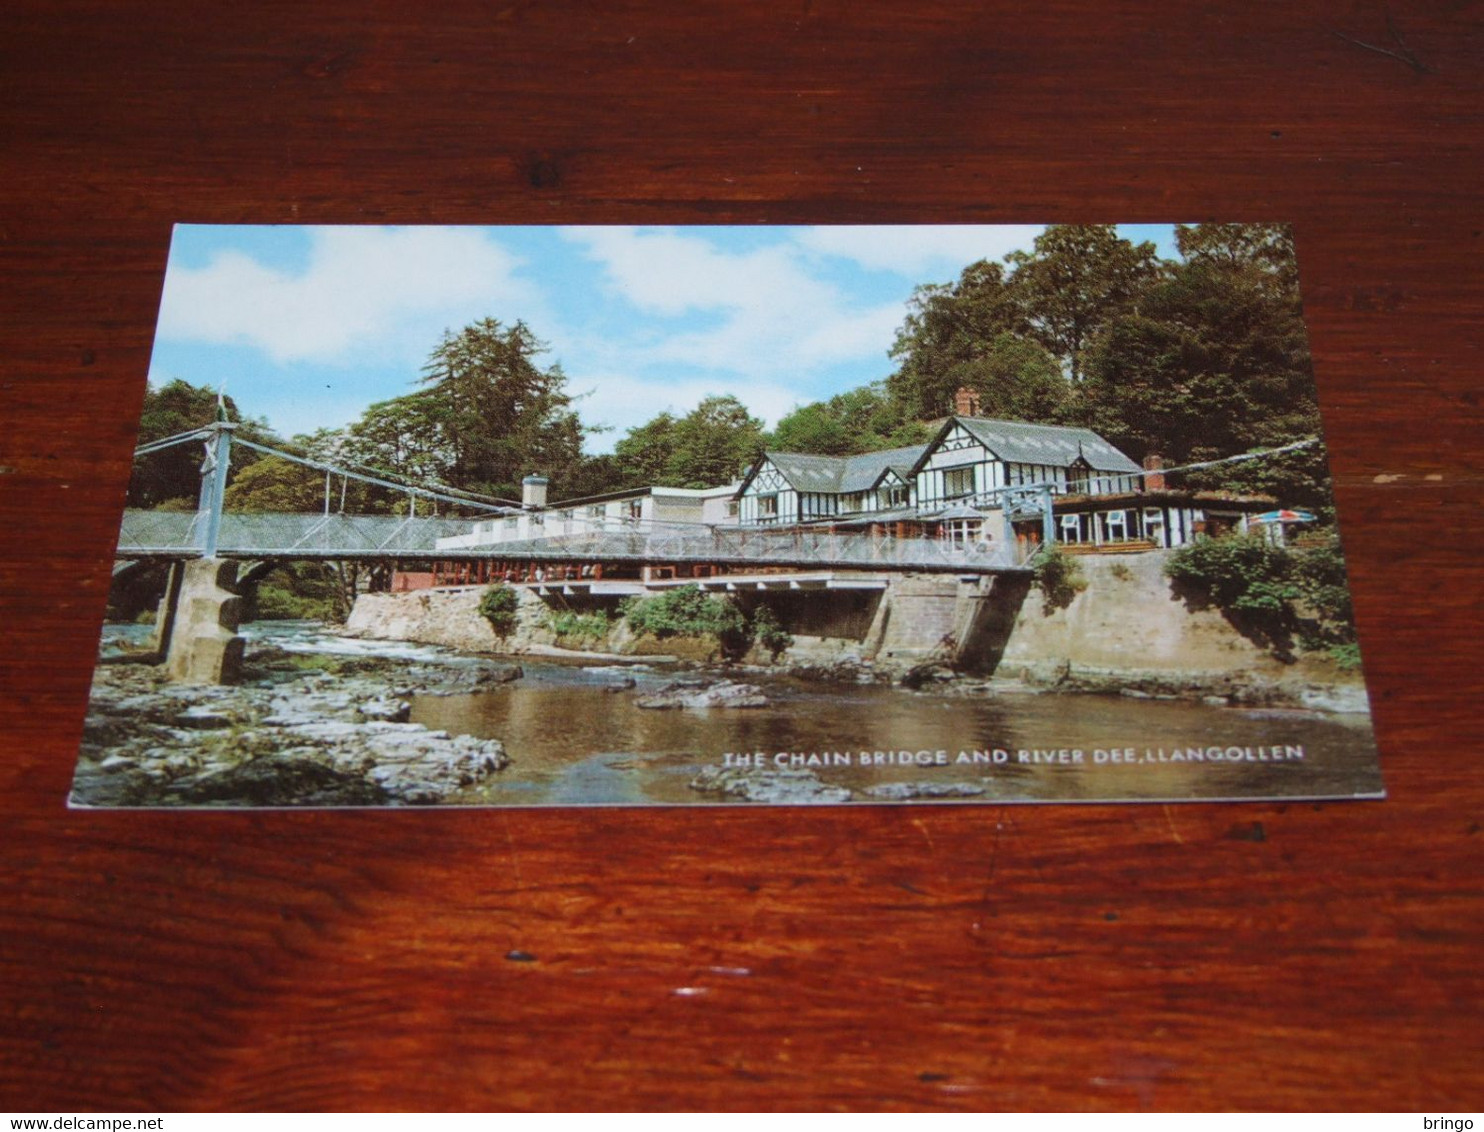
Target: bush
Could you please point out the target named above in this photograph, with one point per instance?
(568, 624)
(768, 632)
(1274, 594)
(687, 612)
(1059, 576)
(272, 602)
(498, 606)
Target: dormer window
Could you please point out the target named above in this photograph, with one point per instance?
(1078, 476)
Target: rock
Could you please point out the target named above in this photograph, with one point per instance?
(385, 709)
(331, 740)
(458, 680)
(686, 694)
(845, 671)
(794, 787)
(902, 791)
(204, 719)
(290, 778)
(922, 674)
(1344, 698)
(118, 762)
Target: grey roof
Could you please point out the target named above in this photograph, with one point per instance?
(861, 472)
(809, 473)
(1012, 441)
(1021, 443)
(836, 474)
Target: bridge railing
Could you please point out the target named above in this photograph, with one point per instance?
(276, 535)
(758, 546)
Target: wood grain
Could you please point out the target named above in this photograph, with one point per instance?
(1195, 956)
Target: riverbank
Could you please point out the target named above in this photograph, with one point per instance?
(1125, 633)
(332, 720)
(301, 730)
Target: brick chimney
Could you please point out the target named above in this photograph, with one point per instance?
(1154, 479)
(533, 493)
(965, 402)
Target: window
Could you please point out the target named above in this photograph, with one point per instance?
(636, 509)
(962, 532)
(957, 482)
(595, 511)
(896, 496)
(1077, 478)
(1115, 526)
(1071, 528)
(732, 508)
(767, 508)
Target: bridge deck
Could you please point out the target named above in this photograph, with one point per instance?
(165, 534)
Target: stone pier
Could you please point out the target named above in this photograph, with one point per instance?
(204, 646)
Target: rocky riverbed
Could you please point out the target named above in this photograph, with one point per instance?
(326, 719)
(301, 731)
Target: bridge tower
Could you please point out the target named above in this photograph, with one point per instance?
(202, 609)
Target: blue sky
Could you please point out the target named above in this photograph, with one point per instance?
(309, 325)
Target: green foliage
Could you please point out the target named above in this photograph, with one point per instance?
(1244, 575)
(709, 446)
(497, 606)
(276, 484)
(487, 416)
(1346, 657)
(947, 325)
(279, 603)
(175, 473)
(643, 455)
(1273, 594)
(859, 420)
(1059, 577)
(1075, 281)
(579, 628)
(687, 612)
(297, 591)
(767, 631)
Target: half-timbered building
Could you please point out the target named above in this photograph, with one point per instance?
(964, 485)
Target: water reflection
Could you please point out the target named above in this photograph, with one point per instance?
(574, 739)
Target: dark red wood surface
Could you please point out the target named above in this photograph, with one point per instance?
(1256, 956)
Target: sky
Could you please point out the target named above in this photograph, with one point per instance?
(307, 326)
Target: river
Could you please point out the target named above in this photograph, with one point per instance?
(576, 736)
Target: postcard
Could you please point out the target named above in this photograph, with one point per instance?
(601, 516)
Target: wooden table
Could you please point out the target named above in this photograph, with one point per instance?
(1255, 956)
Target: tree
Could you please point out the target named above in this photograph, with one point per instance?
(1077, 279)
(707, 447)
(713, 443)
(1016, 378)
(644, 452)
(858, 420)
(403, 438)
(948, 325)
(1263, 248)
(276, 484)
(1215, 362)
(174, 474)
(500, 416)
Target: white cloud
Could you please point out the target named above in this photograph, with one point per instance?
(760, 313)
(917, 249)
(364, 290)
